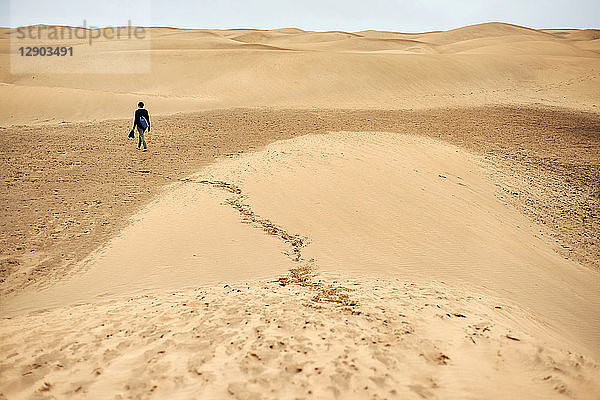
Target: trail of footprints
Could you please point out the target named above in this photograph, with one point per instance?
(303, 271)
(261, 340)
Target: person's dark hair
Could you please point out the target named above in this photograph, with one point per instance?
(141, 104)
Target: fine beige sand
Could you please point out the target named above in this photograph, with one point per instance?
(390, 216)
(205, 69)
(305, 339)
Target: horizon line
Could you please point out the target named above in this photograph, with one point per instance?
(292, 27)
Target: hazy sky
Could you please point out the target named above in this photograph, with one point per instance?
(349, 15)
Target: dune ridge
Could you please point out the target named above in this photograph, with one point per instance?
(198, 69)
(542, 161)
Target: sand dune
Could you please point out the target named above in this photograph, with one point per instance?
(575, 34)
(194, 70)
(407, 208)
(262, 340)
(375, 205)
(409, 280)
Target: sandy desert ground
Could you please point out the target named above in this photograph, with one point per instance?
(319, 215)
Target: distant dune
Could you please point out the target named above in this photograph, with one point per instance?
(197, 69)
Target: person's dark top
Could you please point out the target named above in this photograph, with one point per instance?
(140, 112)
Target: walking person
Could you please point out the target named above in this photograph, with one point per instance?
(142, 121)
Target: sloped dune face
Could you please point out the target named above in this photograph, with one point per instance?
(391, 271)
(373, 205)
(203, 69)
(382, 205)
(592, 45)
(576, 35)
(488, 30)
(271, 340)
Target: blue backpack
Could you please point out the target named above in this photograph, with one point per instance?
(143, 123)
